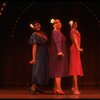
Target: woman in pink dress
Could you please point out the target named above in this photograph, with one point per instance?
(58, 62)
(75, 67)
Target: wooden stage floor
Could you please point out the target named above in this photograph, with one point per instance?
(87, 92)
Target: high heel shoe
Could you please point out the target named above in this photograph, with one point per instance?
(39, 90)
(59, 92)
(72, 89)
(76, 92)
(54, 90)
(33, 91)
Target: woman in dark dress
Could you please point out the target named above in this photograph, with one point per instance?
(58, 62)
(38, 40)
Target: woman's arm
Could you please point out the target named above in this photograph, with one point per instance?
(34, 49)
(76, 43)
(57, 38)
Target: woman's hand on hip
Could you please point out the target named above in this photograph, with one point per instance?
(32, 62)
(60, 54)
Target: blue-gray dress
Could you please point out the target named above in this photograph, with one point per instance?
(40, 69)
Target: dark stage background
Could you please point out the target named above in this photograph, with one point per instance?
(15, 51)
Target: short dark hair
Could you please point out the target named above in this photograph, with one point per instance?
(36, 21)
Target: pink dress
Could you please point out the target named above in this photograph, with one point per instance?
(58, 67)
(75, 67)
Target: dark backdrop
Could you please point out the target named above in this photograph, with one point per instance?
(15, 51)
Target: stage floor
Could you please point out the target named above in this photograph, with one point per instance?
(87, 92)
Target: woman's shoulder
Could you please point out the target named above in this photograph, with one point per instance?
(56, 32)
(34, 35)
(73, 31)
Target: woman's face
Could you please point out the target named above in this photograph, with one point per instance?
(57, 24)
(37, 27)
(75, 25)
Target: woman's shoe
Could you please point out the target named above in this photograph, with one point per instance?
(76, 92)
(33, 91)
(72, 89)
(54, 90)
(60, 92)
(39, 90)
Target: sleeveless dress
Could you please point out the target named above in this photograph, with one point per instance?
(75, 66)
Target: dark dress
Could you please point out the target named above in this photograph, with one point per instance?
(58, 66)
(40, 69)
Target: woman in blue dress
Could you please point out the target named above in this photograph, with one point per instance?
(38, 40)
